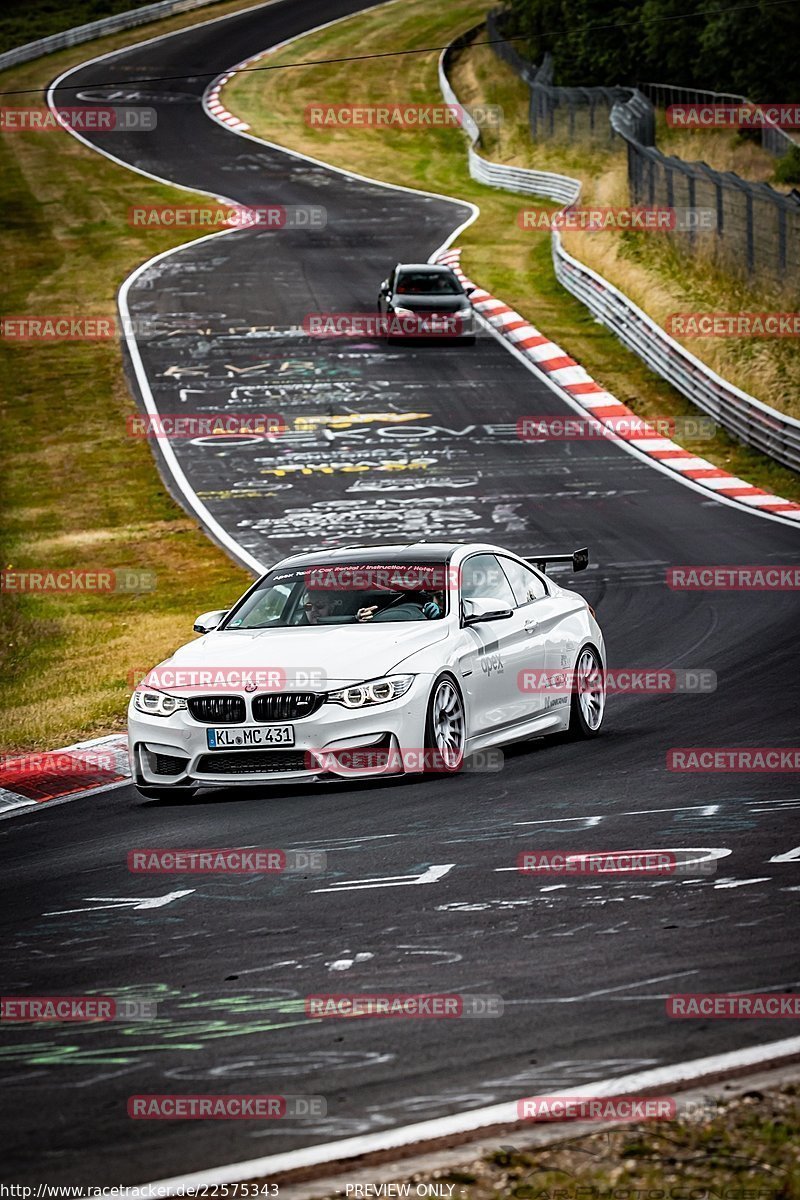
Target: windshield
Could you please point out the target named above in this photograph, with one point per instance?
(345, 594)
(427, 283)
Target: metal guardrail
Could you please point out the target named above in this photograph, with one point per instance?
(96, 29)
(756, 229)
(521, 179)
(740, 414)
(513, 179)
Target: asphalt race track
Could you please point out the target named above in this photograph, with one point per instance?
(583, 980)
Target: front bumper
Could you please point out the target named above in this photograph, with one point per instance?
(173, 751)
(465, 326)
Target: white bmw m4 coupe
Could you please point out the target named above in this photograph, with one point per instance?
(364, 662)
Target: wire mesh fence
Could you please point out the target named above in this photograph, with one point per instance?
(747, 227)
(774, 139)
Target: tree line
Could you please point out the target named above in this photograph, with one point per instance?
(741, 46)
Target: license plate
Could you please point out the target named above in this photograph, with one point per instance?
(259, 735)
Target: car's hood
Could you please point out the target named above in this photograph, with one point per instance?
(334, 655)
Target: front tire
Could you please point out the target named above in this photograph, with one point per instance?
(445, 727)
(588, 700)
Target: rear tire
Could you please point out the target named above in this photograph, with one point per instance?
(445, 727)
(588, 700)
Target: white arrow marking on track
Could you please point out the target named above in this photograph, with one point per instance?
(138, 902)
(789, 856)
(430, 876)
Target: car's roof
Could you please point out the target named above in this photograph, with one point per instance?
(379, 552)
(439, 268)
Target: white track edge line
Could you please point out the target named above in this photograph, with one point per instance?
(195, 505)
(193, 501)
(680, 1074)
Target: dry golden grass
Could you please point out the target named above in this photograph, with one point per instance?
(722, 149)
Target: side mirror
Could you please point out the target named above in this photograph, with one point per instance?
(476, 611)
(385, 285)
(469, 290)
(209, 621)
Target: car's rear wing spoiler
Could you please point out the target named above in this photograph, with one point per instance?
(579, 559)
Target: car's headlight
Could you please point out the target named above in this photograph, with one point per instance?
(158, 704)
(375, 691)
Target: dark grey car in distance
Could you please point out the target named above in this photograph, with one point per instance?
(429, 295)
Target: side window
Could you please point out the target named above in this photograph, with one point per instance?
(525, 582)
(483, 578)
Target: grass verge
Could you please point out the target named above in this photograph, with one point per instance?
(747, 1149)
(513, 264)
(77, 491)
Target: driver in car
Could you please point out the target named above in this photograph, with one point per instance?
(412, 607)
(316, 606)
